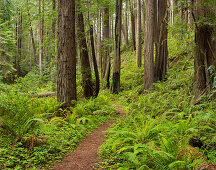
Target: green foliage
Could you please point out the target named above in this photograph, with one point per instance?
(30, 133)
(180, 40)
(212, 71)
(161, 123)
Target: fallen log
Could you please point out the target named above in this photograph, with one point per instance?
(39, 95)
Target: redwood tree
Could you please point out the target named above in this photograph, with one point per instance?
(117, 55)
(138, 35)
(106, 35)
(162, 48)
(132, 25)
(66, 83)
(84, 57)
(205, 50)
(149, 40)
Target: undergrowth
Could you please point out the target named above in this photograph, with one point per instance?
(32, 135)
(164, 129)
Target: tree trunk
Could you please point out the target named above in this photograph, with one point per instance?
(149, 40)
(53, 42)
(143, 16)
(99, 58)
(205, 50)
(19, 44)
(123, 31)
(40, 39)
(181, 11)
(186, 12)
(133, 26)
(171, 12)
(97, 87)
(126, 24)
(162, 53)
(138, 35)
(105, 41)
(54, 20)
(66, 83)
(106, 48)
(190, 11)
(155, 18)
(84, 57)
(32, 35)
(117, 54)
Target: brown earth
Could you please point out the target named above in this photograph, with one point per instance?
(85, 155)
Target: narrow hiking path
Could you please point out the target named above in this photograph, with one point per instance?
(86, 154)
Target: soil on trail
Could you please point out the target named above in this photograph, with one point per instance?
(85, 155)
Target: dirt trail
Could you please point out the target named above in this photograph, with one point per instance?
(85, 155)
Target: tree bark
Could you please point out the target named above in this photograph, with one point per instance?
(40, 39)
(138, 35)
(186, 12)
(105, 41)
(126, 23)
(190, 11)
(32, 36)
(117, 53)
(162, 52)
(19, 43)
(84, 57)
(171, 12)
(99, 58)
(54, 20)
(66, 83)
(181, 11)
(149, 40)
(97, 86)
(133, 26)
(205, 50)
(143, 16)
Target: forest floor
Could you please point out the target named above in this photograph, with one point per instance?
(85, 155)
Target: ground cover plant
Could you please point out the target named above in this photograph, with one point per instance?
(33, 135)
(166, 128)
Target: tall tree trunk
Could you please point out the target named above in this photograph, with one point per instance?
(138, 35)
(155, 28)
(66, 83)
(123, 31)
(186, 12)
(143, 16)
(54, 20)
(33, 44)
(97, 87)
(126, 23)
(19, 43)
(133, 26)
(40, 39)
(190, 11)
(106, 48)
(99, 58)
(16, 39)
(181, 11)
(32, 36)
(162, 53)
(53, 32)
(171, 12)
(84, 57)
(117, 55)
(149, 40)
(205, 50)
